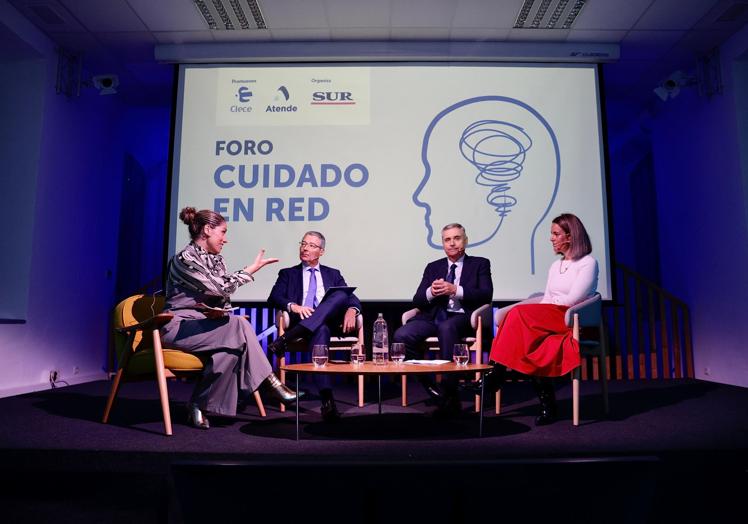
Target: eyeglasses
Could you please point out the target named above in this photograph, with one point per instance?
(309, 244)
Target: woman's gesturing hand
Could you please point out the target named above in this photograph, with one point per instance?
(259, 263)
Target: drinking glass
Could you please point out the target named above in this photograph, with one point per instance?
(358, 355)
(379, 355)
(319, 355)
(460, 355)
(397, 352)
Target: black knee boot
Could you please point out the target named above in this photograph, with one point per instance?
(547, 395)
(492, 379)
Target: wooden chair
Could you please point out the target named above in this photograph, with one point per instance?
(141, 356)
(474, 342)
(337, 343)
(586, 314)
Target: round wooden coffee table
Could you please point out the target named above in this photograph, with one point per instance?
(390, 368)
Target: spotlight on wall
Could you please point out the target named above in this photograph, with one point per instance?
(106, 84)
(670, 87)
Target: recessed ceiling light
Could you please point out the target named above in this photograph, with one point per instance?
(231, 15)
(546, 14)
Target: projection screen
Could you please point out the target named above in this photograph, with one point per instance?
(380, 157)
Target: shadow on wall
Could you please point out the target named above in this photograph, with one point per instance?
(141, 230)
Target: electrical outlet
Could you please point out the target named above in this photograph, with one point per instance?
(707, 371)
(76, 370)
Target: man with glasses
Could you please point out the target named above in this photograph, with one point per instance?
(299, 290)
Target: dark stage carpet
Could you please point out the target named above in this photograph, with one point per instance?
(670, 451)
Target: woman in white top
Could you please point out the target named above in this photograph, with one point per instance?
(534, 338)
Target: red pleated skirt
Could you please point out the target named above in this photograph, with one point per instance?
(534, 339)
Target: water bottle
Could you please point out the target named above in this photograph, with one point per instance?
(380, 344)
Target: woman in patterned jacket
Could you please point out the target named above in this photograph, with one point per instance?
(198, 294)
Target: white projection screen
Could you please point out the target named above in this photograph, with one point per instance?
(380, 157)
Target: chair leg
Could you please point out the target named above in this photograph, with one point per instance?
(498, 402)
(112, 395)
(404, 387)
(360, 391)
(260, 405)
(161, 377)
(575, 396)
(575, 375)
(604, 367)
(477, 397)
(477, 348)
(281, 363)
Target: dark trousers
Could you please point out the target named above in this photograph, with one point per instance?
(324, 322)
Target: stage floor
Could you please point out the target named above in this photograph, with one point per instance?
(645, 417)
(694, 429)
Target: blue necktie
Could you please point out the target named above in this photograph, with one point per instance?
(451, 274)
(441, 313)
(311, 295)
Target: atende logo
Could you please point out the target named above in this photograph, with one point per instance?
(282, 95)
(243, 95)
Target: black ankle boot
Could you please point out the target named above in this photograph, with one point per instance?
(279, 391)
(278, 347)
(492, 380)
(328, 410)
(547, 396)
(434, 391)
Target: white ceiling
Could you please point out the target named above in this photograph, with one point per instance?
(118, 36)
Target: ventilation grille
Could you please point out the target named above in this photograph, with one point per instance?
(548, 14)
(231, 15)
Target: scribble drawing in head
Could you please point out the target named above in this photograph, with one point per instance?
(493, 162)
(497, 150)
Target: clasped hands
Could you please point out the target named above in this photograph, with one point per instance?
(349, 320)
(441, 287)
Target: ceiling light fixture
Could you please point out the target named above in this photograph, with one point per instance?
(523, 13)
(239, 12)
(553, 20)
(540, 14)
(223, 15)
(231, 15)
(254, 8)
(573, 14)
(206, 14)
(546, 14)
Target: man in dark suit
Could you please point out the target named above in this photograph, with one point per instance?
(450, 290)
(299, 290)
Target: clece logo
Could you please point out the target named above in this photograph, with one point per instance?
(243, 95)
(333, 98)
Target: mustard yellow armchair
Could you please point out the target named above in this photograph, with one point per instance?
(141, 356)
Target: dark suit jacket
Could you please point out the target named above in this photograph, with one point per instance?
(289, 287)
(475, 280)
